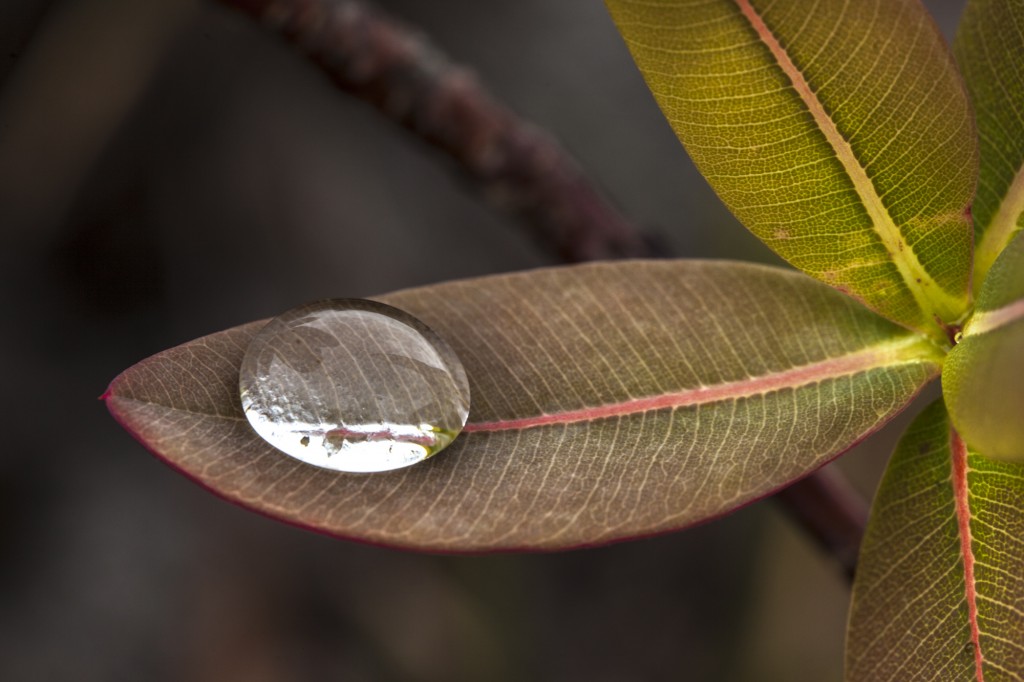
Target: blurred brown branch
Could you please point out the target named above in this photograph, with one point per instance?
(831, 511)
(517, 166)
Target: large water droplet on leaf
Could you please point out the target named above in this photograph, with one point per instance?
(353, 385)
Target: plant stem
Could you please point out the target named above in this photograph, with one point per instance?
(831, 511)
(516, 166)
(513, 163)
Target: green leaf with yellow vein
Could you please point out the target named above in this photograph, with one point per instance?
(983, 377)
(990, 49)
(608, 401)
(838, 131)
(941, 573)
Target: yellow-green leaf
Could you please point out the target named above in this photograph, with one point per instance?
(838, 131)
(608, 401)
(983, 377)
(941, 573)
(990, 49)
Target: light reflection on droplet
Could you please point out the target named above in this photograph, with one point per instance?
(353, 385)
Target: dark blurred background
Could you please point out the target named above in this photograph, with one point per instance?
(167, 170)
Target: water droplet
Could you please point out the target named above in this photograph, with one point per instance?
(353, 385)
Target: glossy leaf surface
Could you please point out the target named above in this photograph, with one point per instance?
(983, 377)
(608, 401)
(938, 589)
(990, 49)
(838, 131)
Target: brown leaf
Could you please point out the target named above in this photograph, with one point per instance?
(608, 401)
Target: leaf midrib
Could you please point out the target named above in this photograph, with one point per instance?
(989, 320)
(908, 349)
(887, 354)
(931, 298)
(113, 398)
(962, 506)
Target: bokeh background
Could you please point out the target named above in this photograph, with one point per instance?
(167, 170)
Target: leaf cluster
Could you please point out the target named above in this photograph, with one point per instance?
(624, 399)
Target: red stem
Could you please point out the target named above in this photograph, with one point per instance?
(831, 511)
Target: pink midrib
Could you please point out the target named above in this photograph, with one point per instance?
(989, 320)
(730, 390)
(963, 516)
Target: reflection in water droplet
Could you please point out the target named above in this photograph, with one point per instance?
(353, 385)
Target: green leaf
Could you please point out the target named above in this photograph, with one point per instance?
(608, 401)
(938, 589)
(983, 378)
(990, 49)
(840, 134)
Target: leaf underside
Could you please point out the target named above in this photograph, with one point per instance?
(608, 401)
(839, 133)
(990, 50)
(941, 573)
